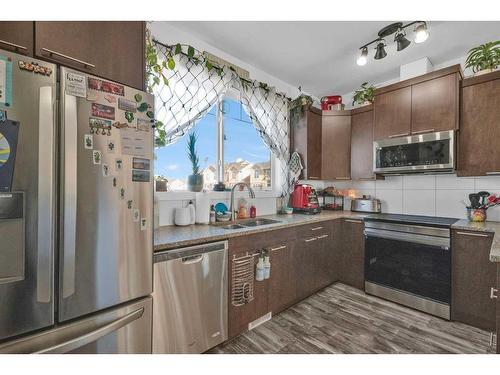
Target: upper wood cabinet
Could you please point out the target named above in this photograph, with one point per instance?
(17, 36)
(478, 151)
(362, 143)
(109, 49)
(424, 104)
(306, 140)
(473, 276)
(392, 114)
(336, 145)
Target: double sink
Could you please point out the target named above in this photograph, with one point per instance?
(249, 224)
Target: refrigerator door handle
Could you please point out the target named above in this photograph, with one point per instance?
(92, 336)
(70, 147)
(46, 194)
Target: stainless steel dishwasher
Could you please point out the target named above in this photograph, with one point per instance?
(190, 299)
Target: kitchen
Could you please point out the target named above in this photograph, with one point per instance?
(164, 190)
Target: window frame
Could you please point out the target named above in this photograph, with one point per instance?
(274, 190)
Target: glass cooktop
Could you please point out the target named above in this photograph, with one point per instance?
(444, 222)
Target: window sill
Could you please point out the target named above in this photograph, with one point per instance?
(185, 195)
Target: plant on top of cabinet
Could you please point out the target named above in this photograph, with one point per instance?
(484, 58)
(297, 105)
(195, 181)
(364, 95)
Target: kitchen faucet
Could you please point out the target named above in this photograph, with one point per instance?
(251, 194)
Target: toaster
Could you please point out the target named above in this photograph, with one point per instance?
(366, 204)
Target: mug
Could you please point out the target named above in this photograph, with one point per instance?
(182, 216)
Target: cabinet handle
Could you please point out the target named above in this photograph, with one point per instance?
(473, 234)
(84, 63)
(16, 46)
(313, 178)
(494, 173)
(424, 131)
(316, 228)
(311, 239)
(354, 221)
(492, 338)
(278, 248)
(322, 236)
(398, 135)
(342, 178)
(493, 292)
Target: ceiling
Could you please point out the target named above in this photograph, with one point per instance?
(321, 56)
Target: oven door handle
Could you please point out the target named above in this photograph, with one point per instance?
(441, 242)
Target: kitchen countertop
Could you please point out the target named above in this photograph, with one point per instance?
(172, 237)
(488, 226)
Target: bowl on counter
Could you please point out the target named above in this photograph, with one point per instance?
(223, 216)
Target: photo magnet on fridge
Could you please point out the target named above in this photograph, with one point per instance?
(129, 204)
(140, 175)
(110, 98)
(96, 156)
(105, 170)
(111, 146)
(76, 85)
(143, 124)
(126, 105)
(88, 141)
(144, 223)
(137, 215)
(103, 111)
(140, 163)
(9, 131)
(105, 86)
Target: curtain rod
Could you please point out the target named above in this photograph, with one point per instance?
(218, 67)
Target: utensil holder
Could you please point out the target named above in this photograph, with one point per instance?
(476, 215)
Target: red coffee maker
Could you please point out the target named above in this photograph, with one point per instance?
(305, 199)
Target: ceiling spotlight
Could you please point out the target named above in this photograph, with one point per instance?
(362, 59)
(421, 33)
(380, 54)
(401, 40)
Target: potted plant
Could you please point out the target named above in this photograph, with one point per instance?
(363, 95)
(195, 181)
(484, 58)
(161, 183)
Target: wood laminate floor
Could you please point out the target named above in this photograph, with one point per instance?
(342, 319)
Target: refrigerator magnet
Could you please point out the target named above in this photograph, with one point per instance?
(118, 165)
(106, 86)
(138, 98)
(129, 116)
(137, 215)
(126, 105)
(143, 124)
(143, 107)
(122, 193)
(129, 204)
(96, 156)
(92, 96)
(76, 85)
(110, 98)
(105, 170)
(88, 141)
(103, 111)
(111, 146)
(115, 182)
(144, 223)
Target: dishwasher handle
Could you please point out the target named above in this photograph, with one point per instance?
(193, 259)
(191, 254)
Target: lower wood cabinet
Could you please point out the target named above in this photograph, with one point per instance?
(473, 276)
(282, 281)
(351, 259)
(498, 309)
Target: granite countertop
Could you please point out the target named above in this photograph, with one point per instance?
(488, 226)
(173, 237)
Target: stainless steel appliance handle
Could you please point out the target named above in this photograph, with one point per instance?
(45, 221)
(473, 234)
(493, 293)
(16, 46)
(398, 135)
(442, 242)
(80, 341)
(493, 173)
(424, 131)
(192, 259)
(84, 63)
(70, 146)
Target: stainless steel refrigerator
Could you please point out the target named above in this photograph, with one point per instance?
(76, 211)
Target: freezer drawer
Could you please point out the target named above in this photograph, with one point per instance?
(124, 330)
(190, 299)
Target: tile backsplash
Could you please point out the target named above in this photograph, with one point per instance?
(431, 195)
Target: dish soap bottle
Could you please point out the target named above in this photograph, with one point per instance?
(267, 267)
(253, 212)
(259, 273)
(243, 210)
(212, 214)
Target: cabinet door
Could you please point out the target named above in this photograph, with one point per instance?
(392, 114)
(434, 105)
(336, 147)
(304, 265)
(473, 275)
(326, 264)
(17, 36)
(362, 146)
(478, 151)
(109, 49)
(281, 283)
(313, 163)
(352, 257)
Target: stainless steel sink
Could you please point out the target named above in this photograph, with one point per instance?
(232, 226)
(259, 222)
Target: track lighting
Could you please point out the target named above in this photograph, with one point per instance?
(421, 33)
(397, 28)
(362, 59)
(380, 54)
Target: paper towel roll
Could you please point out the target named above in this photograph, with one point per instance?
(202, 208)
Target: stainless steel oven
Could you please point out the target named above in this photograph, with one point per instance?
(429, 152)
(409, 264)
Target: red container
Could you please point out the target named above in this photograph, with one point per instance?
(330, 100)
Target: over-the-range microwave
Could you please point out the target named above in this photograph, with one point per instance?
(431, 152)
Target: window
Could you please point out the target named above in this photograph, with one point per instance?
(244, 156)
